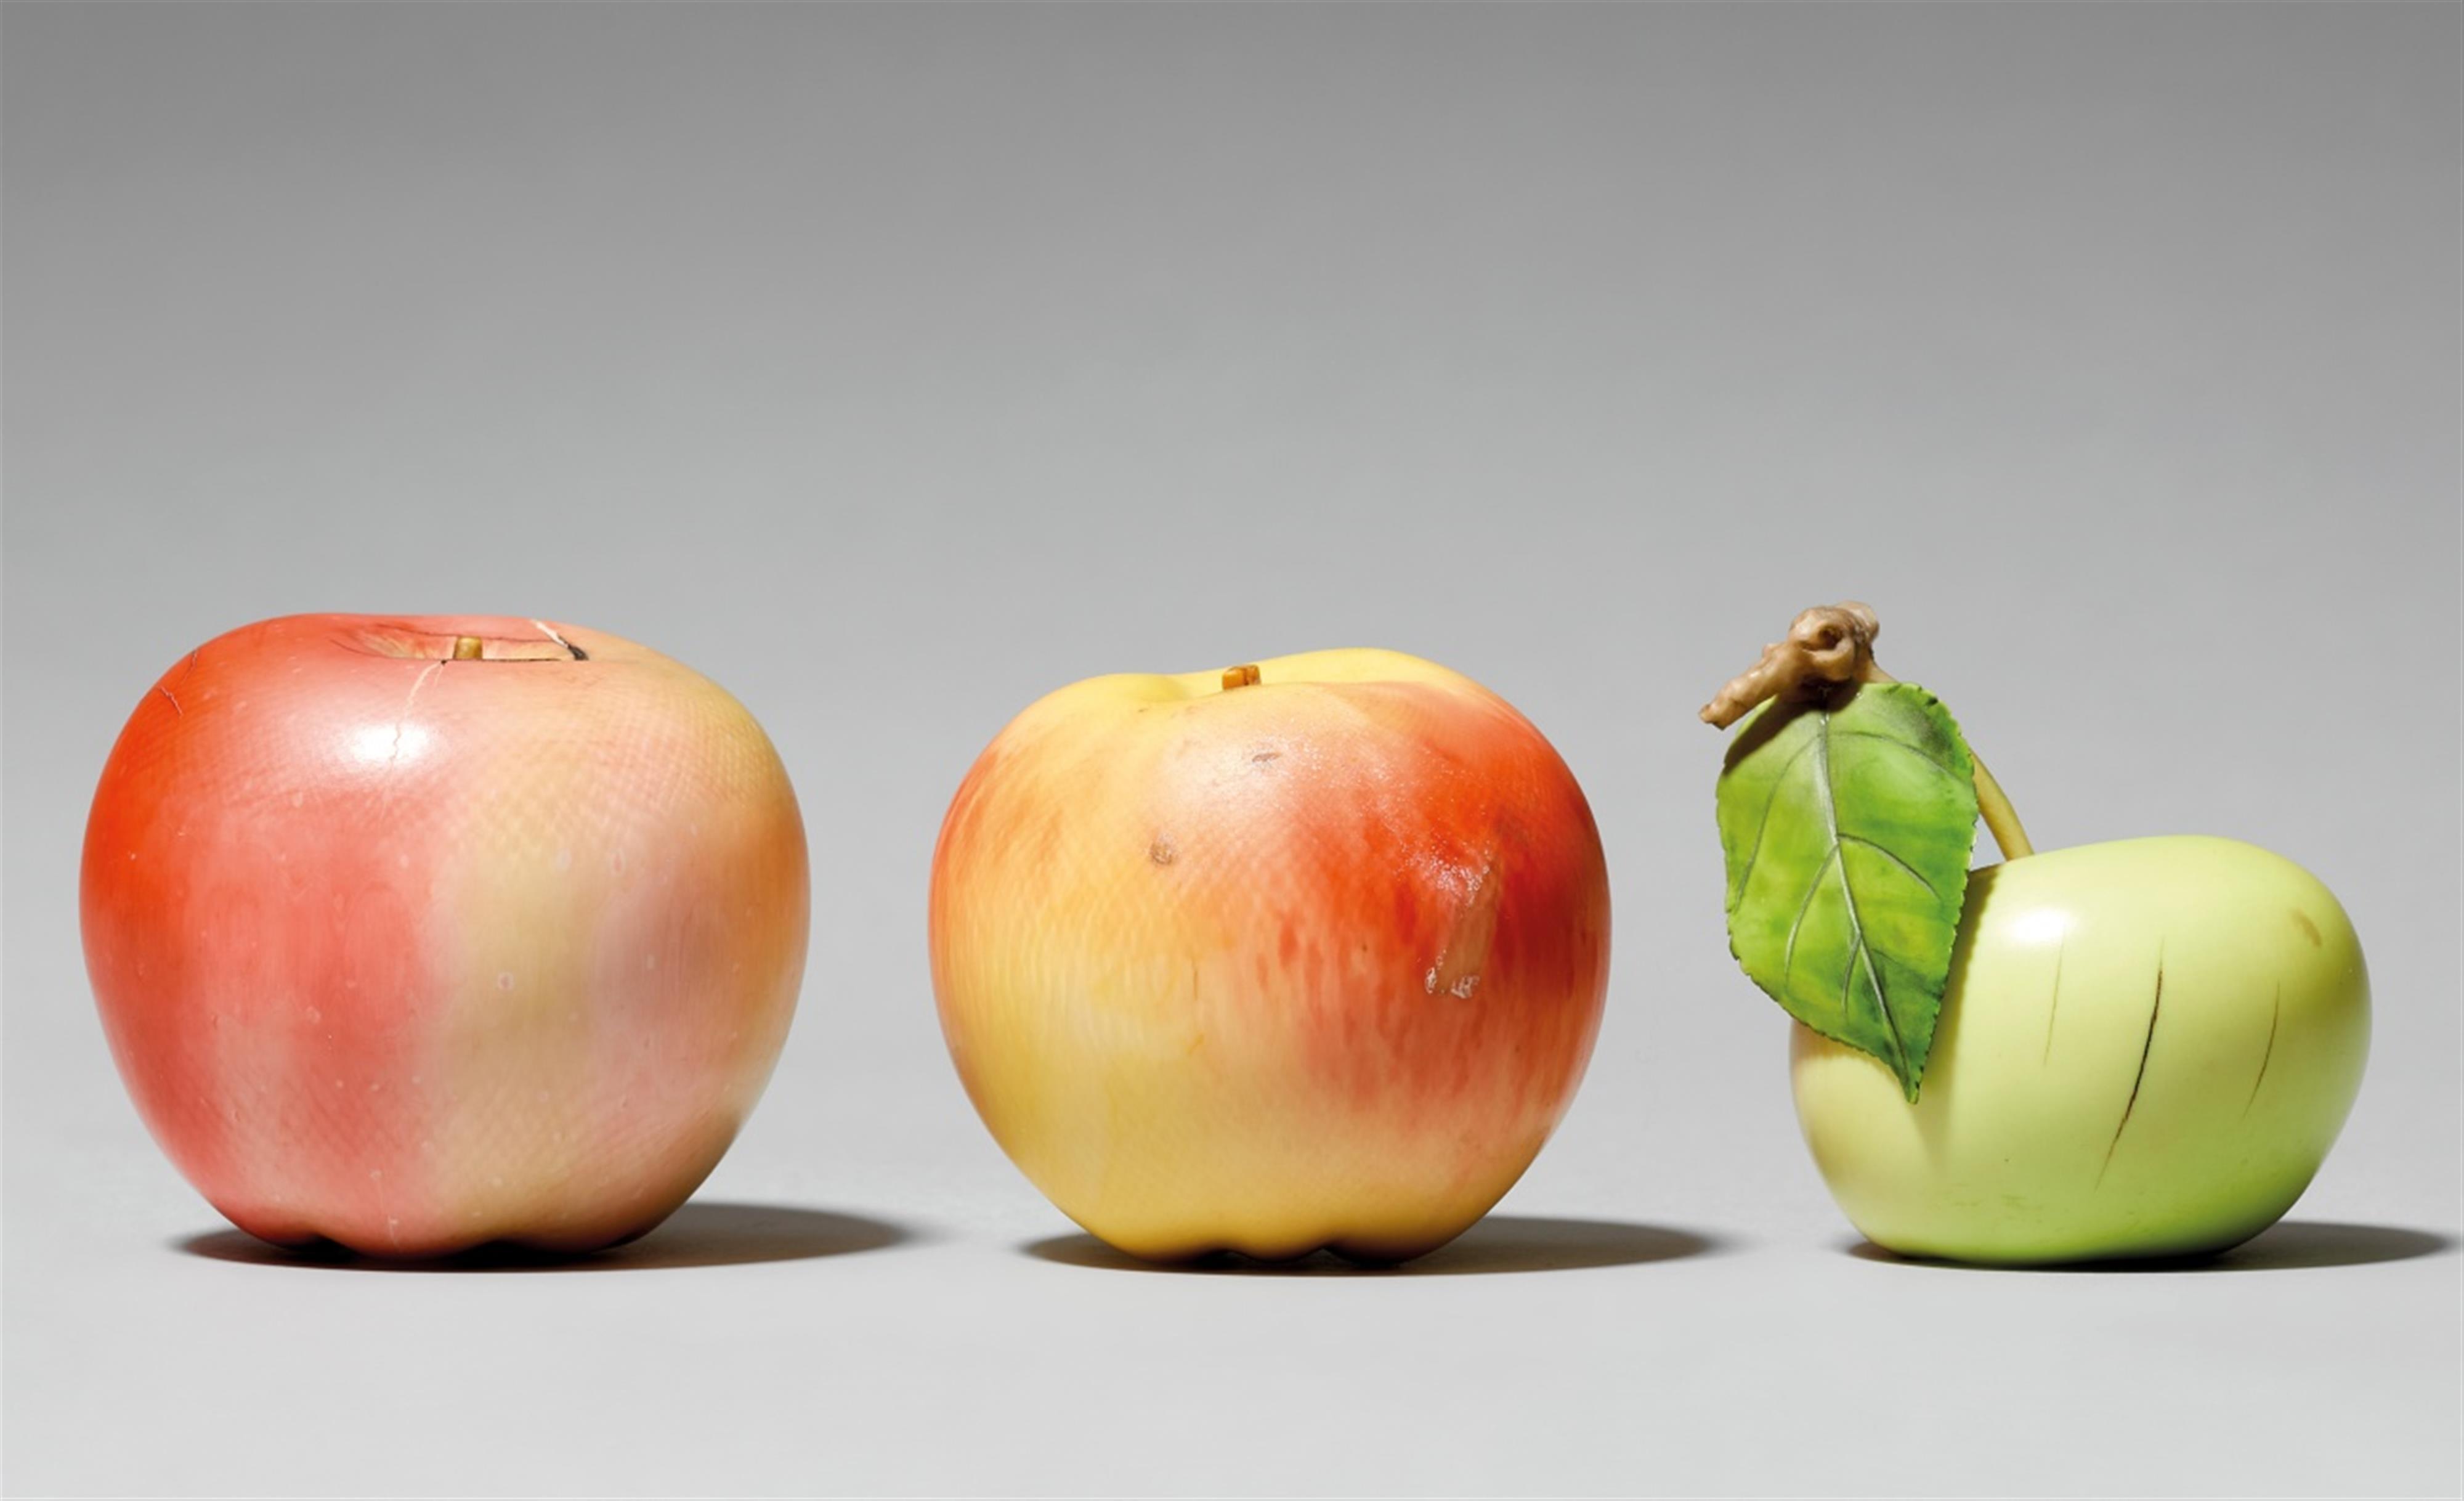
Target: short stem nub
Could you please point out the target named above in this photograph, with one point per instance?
(1245, 676)
(469, 648)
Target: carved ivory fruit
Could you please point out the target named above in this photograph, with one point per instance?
(1303, 955)
(2129, 1049)
(2146, 1049)
(416, 933)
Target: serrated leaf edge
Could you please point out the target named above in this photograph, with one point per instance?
(1910, 1078)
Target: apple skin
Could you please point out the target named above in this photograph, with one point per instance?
(413, 954)
(2094, 1120)
(1317, 962)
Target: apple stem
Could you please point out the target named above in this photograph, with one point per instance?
(469, 648)
(1992, 804)
(1828, 648)
(2001, 819)
(1245, 676)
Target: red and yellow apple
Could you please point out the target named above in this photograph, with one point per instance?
(418, 933)
(1310, 954)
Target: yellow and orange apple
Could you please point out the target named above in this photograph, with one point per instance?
(1306, 954)
(417, 934)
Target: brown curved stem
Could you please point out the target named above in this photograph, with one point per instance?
(1829, 647)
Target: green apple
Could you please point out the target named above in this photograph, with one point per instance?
(2146, 1049)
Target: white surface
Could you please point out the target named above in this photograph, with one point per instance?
(929, 1327)
(897, 364)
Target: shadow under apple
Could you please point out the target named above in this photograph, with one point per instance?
(1498, 1244)
(2290, 1244)
(697, 1235)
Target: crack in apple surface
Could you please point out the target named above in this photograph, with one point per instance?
(1465, 949)
(572, 651)
(2275, 1015)
(2154, 1006)
(402, 720)
(190, 666)
(2053, 1005)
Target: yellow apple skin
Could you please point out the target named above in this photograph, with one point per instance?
(2072, 1111)
(1314, 962)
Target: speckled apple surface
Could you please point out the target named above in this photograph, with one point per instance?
(892, 365)
(413, 950)
(1310, 960)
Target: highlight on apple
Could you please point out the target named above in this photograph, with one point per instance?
(1306, 954)
(416, 933)
(2137, 1049)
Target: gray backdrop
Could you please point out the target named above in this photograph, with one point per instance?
(897, 366)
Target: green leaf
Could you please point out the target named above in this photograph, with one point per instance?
(1847, 831)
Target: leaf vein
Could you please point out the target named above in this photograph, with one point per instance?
(1893, 855)
(1782, 818)
(1762, 823)
(1812, 888)
(1857, 952)
(1912, 747)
